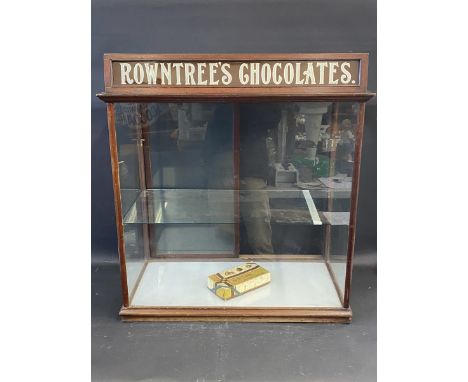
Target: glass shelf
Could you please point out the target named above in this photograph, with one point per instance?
(171, 206)
(335, 218)
(208, 206)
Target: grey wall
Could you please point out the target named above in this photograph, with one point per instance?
(230, 26)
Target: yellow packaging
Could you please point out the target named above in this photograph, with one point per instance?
(236, 281)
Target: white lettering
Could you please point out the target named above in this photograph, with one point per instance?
(201, 72)
(189, 71)
(288, 73)
(151, 73)
(322, 66)
(177, 67)
(266, 74)
(255, 73)
(166, 74)
(243, 78)
(299, 81)
(263, 73)
(138, 73)
(125, 73)
(227, 77)
(276, 77)
(331, 72)
(213, 69)
(346, 76)
(309, 74)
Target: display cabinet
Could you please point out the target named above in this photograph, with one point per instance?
(235, 182)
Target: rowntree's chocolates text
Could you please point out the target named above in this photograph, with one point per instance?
(236, 74)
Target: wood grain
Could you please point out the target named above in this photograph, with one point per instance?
(337, 315)
(117, 200)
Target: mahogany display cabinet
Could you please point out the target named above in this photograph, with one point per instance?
(223, 160)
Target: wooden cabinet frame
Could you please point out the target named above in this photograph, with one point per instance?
(145, 93)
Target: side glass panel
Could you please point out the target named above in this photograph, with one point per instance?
(127, 120)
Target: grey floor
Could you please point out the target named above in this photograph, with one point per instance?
(232, 351)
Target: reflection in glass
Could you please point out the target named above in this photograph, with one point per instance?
(204, 180)
(183, 154)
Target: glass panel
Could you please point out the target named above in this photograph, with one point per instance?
(296, 167)
(126, 122)
(176, 173)
(190, 146)
(263, 182)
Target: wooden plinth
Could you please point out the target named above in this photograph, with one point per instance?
(323, 315)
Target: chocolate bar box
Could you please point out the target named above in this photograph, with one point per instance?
(236, 281)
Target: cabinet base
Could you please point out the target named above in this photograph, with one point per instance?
(319, 315)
